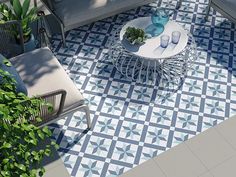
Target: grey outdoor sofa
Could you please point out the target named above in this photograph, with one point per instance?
(71, 14)
(226, 7)
(44, 77)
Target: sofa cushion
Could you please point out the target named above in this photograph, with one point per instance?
(73, 12)
(20, 86)
(228, 6)
(42, 73)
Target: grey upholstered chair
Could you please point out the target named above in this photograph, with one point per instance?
(226, 7)
(9, 45)
(44, 77)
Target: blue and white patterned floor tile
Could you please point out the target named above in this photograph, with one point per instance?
(130, 124)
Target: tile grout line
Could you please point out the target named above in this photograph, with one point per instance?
(209, 170)
(222, 136)
(159, 166)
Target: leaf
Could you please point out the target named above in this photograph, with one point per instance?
(47, 131)
(38, 119)
(5, 161)
(24, 175)
(25, 8)
(36, 157)
(17, 8)
(47, 152)
(41, 172)
(7, 62)
(21, 167)
(32, 135)
(40, 134)
(6, 145)
(33, 172)
(27, 154)
(53, 143)
(5, 173)
(33, 141)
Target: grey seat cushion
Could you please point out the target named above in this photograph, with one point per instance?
(72, 12)
(42, 73)
(228, 6)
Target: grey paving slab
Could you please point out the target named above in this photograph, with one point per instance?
(149, 168)
(53, 164)
(226, 169)
(58, 171)
(211, 148)
(228, 130)
(180, 162)
(208, 174)
(54, 159)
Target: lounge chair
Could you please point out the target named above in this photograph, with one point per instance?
(44, 77)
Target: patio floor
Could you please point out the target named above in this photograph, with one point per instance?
(209, 154)
(130, 123)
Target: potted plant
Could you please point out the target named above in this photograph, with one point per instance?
(21, 12)
(135, 36)
(20, 153)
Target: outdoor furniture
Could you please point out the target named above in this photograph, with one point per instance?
(9, 45)
(150, 63)
(45, 78)
(71, 14)
(225, 7)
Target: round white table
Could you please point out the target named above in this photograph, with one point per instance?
(150, 63)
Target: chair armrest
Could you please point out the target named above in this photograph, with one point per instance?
(51, 8)
(51, 96)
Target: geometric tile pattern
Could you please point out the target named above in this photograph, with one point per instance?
(130, 124)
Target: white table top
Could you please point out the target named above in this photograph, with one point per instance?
(152, 49)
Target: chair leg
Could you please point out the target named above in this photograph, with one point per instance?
(208, 10)
(179, 4)
(87, 112)
(63, 35)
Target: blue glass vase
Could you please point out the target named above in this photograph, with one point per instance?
(160, 17)
(159, 20)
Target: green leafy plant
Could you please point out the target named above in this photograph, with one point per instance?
(20, 155)
(135, 35)
(21, 12)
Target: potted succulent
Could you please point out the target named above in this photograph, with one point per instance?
(21, 12)
(135, 36)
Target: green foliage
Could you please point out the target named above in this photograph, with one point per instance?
(18, 136)
(21, 12)
(135, 35)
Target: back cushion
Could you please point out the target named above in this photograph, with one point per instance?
(20, 86)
